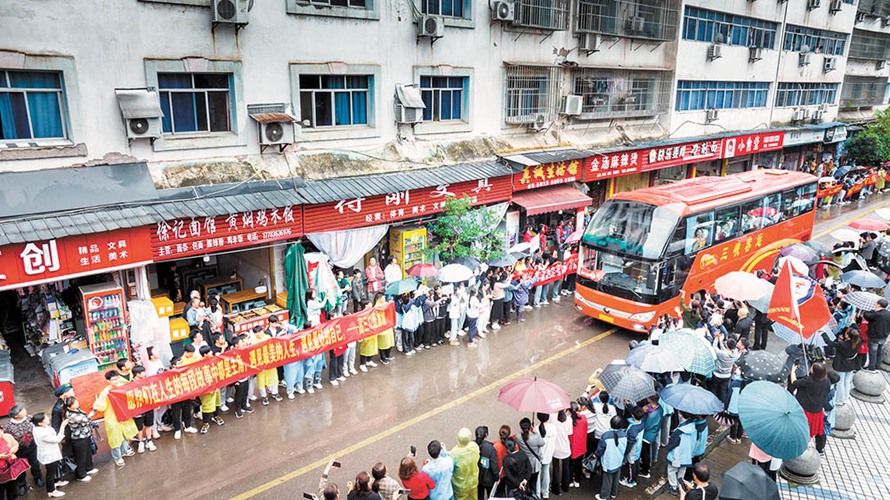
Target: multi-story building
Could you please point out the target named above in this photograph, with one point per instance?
(865, 78)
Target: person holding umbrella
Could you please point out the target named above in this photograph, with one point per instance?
(845, 362)
(812, 393)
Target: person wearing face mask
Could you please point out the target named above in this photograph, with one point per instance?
(118, 433)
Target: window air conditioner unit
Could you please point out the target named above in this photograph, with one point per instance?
(813, 4)
(141, 110)
(711, 115)
(879, 65)
(636, 24)
(835, 6)
(829, 64)
(408, 115)
(431, 27)
(804, 59)
(715, 51)
(231, 11)
(504, 11)
(571, 105)
(590, 42)
(755, 53)
(409, 104)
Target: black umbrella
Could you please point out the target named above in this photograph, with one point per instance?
(505, 260)
(471, 262)
(821, 248)
(762, 365)
(746, 482)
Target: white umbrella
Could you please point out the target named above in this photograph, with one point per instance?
(883, 213)
(520, 248)
(453, 273)
(740, 285)
(845, 234)
(797, 265)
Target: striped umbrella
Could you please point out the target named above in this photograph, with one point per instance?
(635, 385)
(693, 351)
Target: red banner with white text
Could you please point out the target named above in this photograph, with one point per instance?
(553, 272)
(214, 372)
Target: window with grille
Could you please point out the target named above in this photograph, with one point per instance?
(620, 94)
(817, 41)
(195, 102)
(335, 100)
(704, 25)
(861, 91)
(543, 14)
(698, 95)
(869, 45)
(444, 97)
(447, 8)
(355, 4)
(530, 91)
(31, 105)
(652, 19)
(805, 94)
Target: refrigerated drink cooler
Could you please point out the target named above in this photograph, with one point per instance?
(105, 317)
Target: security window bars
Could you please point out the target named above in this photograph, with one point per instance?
(697, 95)
(444, 97)
(648, 19)
(447, 8)
(530, 92)
(620, 94)
(870, 45)
(704, 25)
(875, 8)
(805, 94)
(195, 102)
(817, 41)
(31, 105)
(334, 100)
(861, 92)
(356, 4)
(543, 14)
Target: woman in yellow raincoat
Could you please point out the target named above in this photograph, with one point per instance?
(117, 433)
(367, 350)
(386, 339)
(465, 480)
(266, 381)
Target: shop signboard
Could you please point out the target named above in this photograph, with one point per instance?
(836, 134)
(188, 237)
(799, 136)
(361, 211)
(548, 174)
(749, 144)
(604, 166)
(61, 258)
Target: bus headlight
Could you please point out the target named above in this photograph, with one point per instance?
(643, 317)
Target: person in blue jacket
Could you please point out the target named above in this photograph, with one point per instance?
(732, 407)
(701, 442)
(651, 436)
(520, 290)
(634, 448)
(680, 449)
(611, 451)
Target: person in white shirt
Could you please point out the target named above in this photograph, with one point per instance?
(392, 272)
(562, 451)
(49, 453)
(547, 431)
(473, 309)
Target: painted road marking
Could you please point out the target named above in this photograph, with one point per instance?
(418, 419)
(859, 216)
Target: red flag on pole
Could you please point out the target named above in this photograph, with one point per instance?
(798, 303)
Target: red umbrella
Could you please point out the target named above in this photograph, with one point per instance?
(534, 395)
(868, 225)
(423, 270)
(574, 237)
(763, 212)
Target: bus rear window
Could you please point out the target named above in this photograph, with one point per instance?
(631, 228)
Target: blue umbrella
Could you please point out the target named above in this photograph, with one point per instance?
(842, 171)
(863, 279)
(654, 359)
(691, 399)
(774, 420)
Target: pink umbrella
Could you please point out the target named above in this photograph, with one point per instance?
(763, 212)
(534, 395)
(423, 270)
(574, 237)
(868, 225)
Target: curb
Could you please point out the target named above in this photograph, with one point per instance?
(657, 489)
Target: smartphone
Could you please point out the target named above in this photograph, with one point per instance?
(309, 496)
(335, 463)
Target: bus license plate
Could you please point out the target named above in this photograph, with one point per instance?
(606, 318)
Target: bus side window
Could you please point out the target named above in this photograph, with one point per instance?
(804, 199)
(752, 212)
(788, 198)
(678, 243)
(727, 224)
(772, 209)
(699, 232)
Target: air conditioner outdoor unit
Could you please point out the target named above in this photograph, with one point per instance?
(431, 27)
(879, 65)
(804, 59)
(590, 42)
(798, 115)
(715, 51)
(141, 110)
(539, 124)
(636, 24)
(829, 64)
(817, 115)
(629, 99)
(823, 107)
(571, 105)
(835, 6)
(276, 125)
(860, 17)
(755, 53)
(408, 115)
(813, 4)
(274, 133)
(504, 11)
(231, 11)
(711, 115)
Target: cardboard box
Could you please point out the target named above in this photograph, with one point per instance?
(179, 329)
(281, 299)
(164, 306)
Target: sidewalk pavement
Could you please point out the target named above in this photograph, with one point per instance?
(853, 469)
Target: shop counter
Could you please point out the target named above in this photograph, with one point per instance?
(245, 322)
(235, 302)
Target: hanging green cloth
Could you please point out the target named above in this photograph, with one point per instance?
(296, 279)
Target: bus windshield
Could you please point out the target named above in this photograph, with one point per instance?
(631, 228)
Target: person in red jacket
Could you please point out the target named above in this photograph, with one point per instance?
(500, 447)
(418, 482)
(578, 442)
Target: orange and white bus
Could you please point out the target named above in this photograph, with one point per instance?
(642, 247)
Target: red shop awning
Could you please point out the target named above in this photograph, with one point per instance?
(551, 199)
